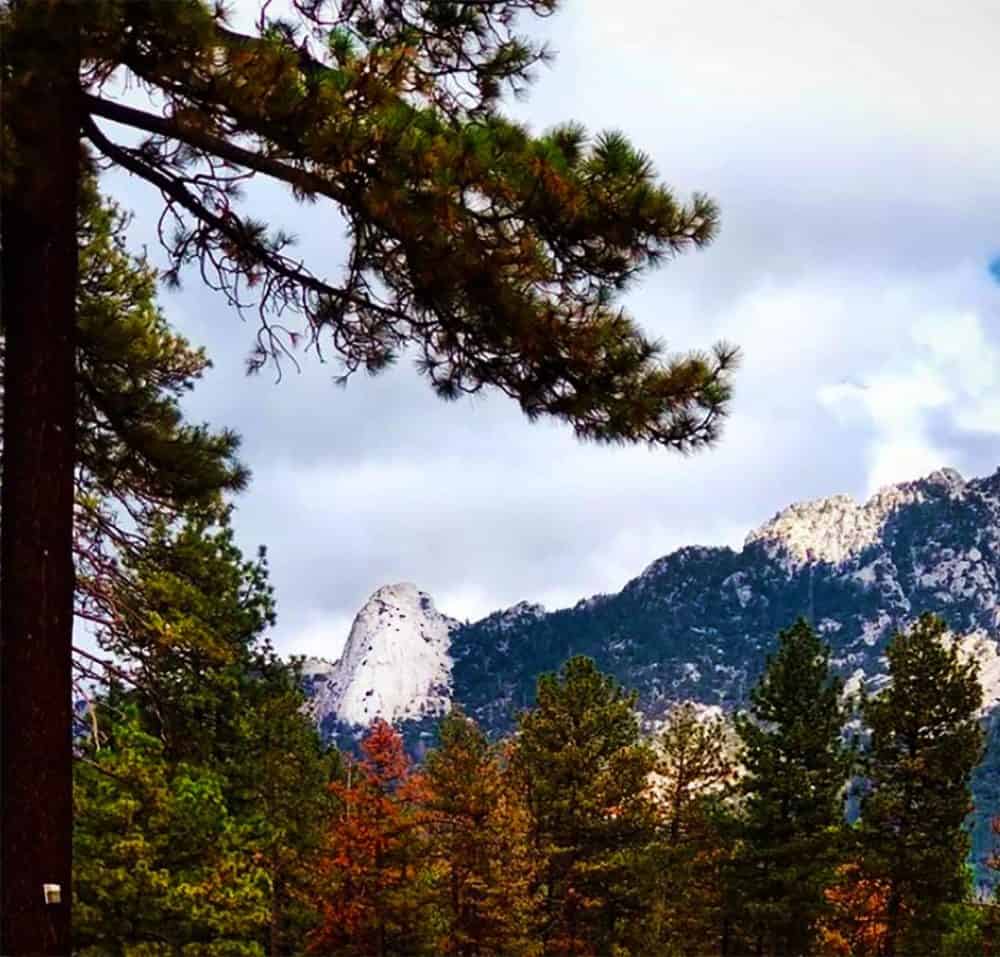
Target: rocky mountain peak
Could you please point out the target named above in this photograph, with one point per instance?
(523, 611)
(396, 663)
(835, 529)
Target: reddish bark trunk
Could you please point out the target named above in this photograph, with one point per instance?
(39, 271)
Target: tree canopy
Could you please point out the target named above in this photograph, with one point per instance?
(925, 743)
(585, 775)
(494, 253)
(797, 767)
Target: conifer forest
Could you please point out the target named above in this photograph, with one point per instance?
(788, 750)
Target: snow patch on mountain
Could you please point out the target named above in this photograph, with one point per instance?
(738, 582)
(396, 664)
(517, 615)
(874, 630)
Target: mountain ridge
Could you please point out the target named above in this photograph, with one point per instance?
(833, 537)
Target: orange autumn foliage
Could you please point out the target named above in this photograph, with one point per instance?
(856, 926)
(365, 880)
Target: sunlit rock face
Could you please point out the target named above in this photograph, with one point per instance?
(396, 663)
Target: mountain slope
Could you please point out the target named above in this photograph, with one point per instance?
(699, 622)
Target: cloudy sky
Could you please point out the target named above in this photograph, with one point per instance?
(853, 149)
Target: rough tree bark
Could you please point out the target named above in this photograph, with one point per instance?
(39, 273)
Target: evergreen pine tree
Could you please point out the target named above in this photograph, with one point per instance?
(164, 866)
(132, 370)
(695, 756)
(280, 774)
(478, 837)
(141, 465)
(372, 881)
(793, 810)
(925, 743)
(695, 772)
(190, 626)
(585, 775)
(200, 787)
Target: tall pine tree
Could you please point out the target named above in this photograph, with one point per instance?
(164, 865)
(139, 463)
(372, 883)
(925, 743)
(695, 774)
(585, 775)
(208, 704)
(200, 786)
(478, 837)
(796, 768)
(695, 756)
(142, 465)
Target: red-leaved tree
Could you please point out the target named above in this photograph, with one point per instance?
(368, 892)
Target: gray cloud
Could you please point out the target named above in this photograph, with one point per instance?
(854, 160)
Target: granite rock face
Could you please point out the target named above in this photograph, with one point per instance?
(396, 663)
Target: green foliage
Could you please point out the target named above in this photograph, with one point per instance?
(132, 371)
(201, 798)
(791, 818)
(925, 742)
(685, 867)
(141, 465)
(279, 776)
(191, 611)
(477, 828)
(695, 761)
(964, 937)
(573, 838)
(585, 773)
(495, 255)
(201, 791)
(160, 859)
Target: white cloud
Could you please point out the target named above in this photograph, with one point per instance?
(945, 369)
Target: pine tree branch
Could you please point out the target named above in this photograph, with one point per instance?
(357, 342)
(217, 145)
(228, 227)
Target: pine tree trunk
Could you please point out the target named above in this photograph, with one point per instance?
(724, 942)
(39, 271)
(892, 923)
